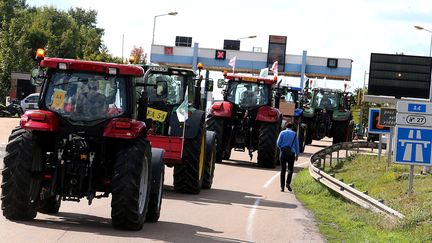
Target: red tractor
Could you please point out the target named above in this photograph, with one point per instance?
(83, 142)
(246, 119)
(171, 104)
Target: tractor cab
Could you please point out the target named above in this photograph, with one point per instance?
(248, 93)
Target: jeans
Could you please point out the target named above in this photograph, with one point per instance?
(284, 160)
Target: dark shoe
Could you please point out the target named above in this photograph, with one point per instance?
(282, 190)
(289, 188)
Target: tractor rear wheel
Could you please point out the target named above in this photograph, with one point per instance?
(341, 132)
(20, 190)
(131, 185)
(267, 145)
(50, 205)
(17, 131)
(302, 138)
(188, 176)
(216, 125)
(211, 144)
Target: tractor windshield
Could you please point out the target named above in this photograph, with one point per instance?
(82, 96)
(325, 99)
(168, 89)
(248, 95)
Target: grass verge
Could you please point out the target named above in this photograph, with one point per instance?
(343, 221)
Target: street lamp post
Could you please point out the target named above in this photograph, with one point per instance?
(430, 31)
(154, 22)
(247, 37)
(427, 169)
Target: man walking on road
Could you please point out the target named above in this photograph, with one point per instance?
(288, 145)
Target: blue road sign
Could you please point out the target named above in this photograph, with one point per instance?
(413, 145)
(414, 107)
(421, 108)
(373, 124)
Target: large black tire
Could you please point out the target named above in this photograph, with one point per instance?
(20, 190)
(216, 125)
(302, 138)
(188, 176)
(341, 131)
(226, 154)
(309, 133)
(50, 205)
(210, 159)
(131, 185)
(267, 145)
(17, 131)
(158, 176)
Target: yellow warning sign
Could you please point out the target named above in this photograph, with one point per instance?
(58, 99)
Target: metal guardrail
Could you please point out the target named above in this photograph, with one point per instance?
(349, 192)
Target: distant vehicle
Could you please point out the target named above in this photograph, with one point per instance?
(10, 110)
(30, 102)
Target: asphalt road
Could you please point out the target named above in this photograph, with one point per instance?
(244, 205)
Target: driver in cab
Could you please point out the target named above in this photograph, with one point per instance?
(248, 97)
(325, 102)
(90, 102)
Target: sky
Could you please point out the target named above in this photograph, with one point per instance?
(331, 28)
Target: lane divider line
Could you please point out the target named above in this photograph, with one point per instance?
(271, 180)
(302, 163)
(250, 220)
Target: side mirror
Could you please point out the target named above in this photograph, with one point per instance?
(161, 89)
(37, 76)
(221, 83)
(209, 85)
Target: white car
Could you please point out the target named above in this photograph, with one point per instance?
(30, 102)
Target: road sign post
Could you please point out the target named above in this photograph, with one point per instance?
(387, 118)
(413, 136)
(375, 127)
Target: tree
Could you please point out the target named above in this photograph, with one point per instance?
(66, 34)
(139, 55)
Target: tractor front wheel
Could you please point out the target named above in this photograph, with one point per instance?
(158, 176)
(50, 205)
(188, 176)
(216, 125)
(211, 144)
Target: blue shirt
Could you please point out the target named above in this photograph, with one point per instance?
(285, 140)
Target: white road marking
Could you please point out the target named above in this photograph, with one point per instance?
(302, 163)
(250, 220)
(271, 180)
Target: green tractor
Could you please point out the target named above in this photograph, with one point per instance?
(327, 113)
(171, 104)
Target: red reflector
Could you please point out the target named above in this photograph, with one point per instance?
(122, 125)
(47, 177)
(106, 181)
(37, 116)
(217, 106)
